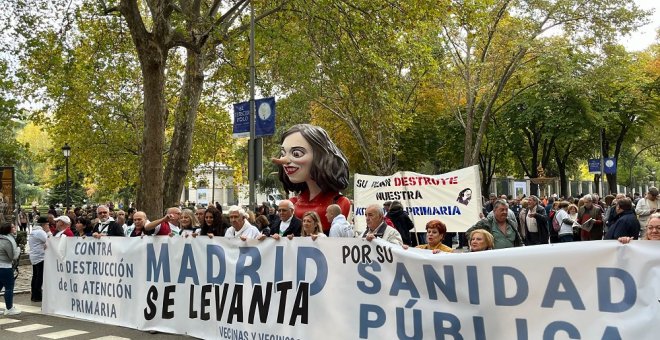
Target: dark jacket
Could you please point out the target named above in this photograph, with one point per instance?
(626, 224)
(402, 224)
(541, 223)
(295, 227)
(113, 229)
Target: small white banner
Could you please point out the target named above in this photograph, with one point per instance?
(453, 198)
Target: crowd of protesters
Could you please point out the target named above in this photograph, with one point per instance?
(505, 222)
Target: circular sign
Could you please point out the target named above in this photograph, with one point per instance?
(264, 111)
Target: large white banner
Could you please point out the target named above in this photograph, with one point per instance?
(353, 289)
(453, 198)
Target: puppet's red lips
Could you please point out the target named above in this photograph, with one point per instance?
(290, 170)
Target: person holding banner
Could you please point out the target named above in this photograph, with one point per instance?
(311, 226)
(313, 166)
(288, 223)
(339, 225)
(481, 240)
(106, 226)
(63, 225)
(139, 221)
(240, 227)
(83, 227)
(212, 223)
(652, 230)
(435, 233)
(167, 225)
(504, 230)
(188, 223)
(377, 228)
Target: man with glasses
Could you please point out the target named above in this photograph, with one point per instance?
(288, 224)
(646, 207)
(107, 226)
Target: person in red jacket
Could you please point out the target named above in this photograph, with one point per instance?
(63, 225)
(311, 165)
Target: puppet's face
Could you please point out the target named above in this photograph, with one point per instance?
(296, 158)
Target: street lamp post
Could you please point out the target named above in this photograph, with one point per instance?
(66, 150)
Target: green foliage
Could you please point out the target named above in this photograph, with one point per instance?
(77, 194)
(355, 64)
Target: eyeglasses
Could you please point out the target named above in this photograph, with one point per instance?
(283, 210)
(654, 228)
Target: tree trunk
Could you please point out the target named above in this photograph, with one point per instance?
(611, 183)
(184, 116)
(596, 184)
(150, 190)
(151, 49)
(563, 181)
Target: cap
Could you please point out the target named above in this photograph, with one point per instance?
(64, 219)
(653, 191)
(42, 219)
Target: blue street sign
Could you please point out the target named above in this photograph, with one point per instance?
(265, 123)
(609, 167)
(241, 120)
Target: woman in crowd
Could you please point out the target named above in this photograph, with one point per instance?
(263, 224)
(9, 252)
(213, 223)
(83, 227)
(480, 240)
(565, 222)
(652, 230)
(188, 223)
(311, 226)
(435, 233)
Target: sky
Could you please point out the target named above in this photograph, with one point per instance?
(645, 36)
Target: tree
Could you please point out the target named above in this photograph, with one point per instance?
(625, 98)
(552, 118)
(488, 43)
(359, 66)
(164, 25)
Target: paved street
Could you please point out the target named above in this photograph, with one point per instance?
(32, 324)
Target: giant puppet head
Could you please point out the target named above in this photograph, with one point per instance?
(309, 158)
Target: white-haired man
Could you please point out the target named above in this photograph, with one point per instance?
(107, 226)
(339, 227)
(240, 227)
(377, 228)
(587, 211)
(288, 223)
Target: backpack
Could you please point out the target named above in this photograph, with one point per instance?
(555, 224)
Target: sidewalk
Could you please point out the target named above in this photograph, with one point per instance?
(22, 284)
